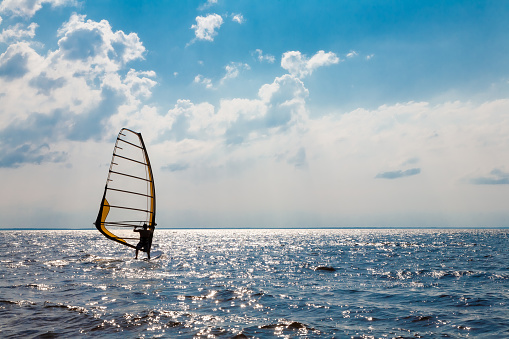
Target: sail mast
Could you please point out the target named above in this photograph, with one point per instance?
(152, 185)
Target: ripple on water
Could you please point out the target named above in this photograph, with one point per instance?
(257, 283)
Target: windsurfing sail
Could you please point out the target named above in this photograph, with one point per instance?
(129, 199)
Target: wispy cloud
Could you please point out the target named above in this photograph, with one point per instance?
(411, 161)
(175, 167)
(238, 18)
(29, 153)
(27, 8)
(200, 79)
(206, 27)
(352, 54)
(233, 69)
(258, 53)
(207, 5)
(300, 65)
(495, 177)
(398, 174)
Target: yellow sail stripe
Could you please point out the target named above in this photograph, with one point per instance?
(106, 210)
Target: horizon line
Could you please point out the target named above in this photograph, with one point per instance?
(266, 228)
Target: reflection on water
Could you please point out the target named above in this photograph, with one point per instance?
(257, 283)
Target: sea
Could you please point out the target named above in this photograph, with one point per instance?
(257, 283)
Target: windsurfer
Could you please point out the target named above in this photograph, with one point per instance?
(145, 240)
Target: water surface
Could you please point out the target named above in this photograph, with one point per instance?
(257, 283)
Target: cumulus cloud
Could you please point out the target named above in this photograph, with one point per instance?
(206, 27)
(495, 177)
(14, 63)
(301, 66)
(45, 85)
(140, 83)
(398, 174)
(18, 32)
(83, 40)
(27, 8)
(263, 57)
(72, 92)
(279, 109)
(283, 90)
(82, 90)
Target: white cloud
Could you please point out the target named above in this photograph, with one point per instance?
(264, 57)
(494, 177)
(352, 54)
(197, 133)
(206, 27)
(279, 108)
(67, 93)
(449, 139)
(207, 4)
(284, 89)
(200, 79)
(27, 8)
(140, 83)
(338, 159)
(299, 65)
(238, 18)
(18, 32)
(233, 69)
(269, 148)
(95, 41)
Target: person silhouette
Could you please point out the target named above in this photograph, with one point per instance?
(145, 240)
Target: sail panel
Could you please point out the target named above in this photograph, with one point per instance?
(129, 196)
(104, 214)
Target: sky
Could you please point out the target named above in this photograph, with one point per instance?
(259, 113)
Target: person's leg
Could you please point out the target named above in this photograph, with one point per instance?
(136, 254)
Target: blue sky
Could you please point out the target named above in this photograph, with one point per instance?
(259, 113)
